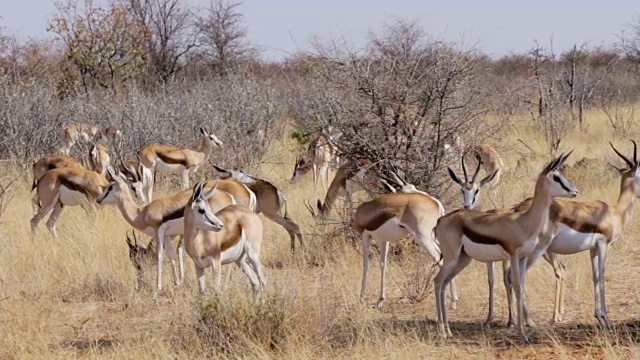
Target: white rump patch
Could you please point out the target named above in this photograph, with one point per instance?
(568, 241)
(484, 253)
(389, 231)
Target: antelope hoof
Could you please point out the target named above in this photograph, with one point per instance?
(379, 303)
(487, 324)
(530, 323)
(511, 323)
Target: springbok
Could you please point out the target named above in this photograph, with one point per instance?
(68, 186)
(317, 157)
(169, 159)
(589, 225)
(99, 158)
(490, 160)
(471, 200)
(271, 201)
(359, 172)
(233, 234)
(389, 218)
(72, 133)
(162, 218)
(45, 164)
(469, 234)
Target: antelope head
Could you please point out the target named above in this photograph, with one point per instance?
(470, 187)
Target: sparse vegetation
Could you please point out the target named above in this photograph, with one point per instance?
(399, 99)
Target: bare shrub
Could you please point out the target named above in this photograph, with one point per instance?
(239, 109)
(7, 192)
(399, 99)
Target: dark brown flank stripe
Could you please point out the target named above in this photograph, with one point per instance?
(176, 214)
(377, 221)
(75, 187)
(479, 238)
(584, 227)
(170, 160)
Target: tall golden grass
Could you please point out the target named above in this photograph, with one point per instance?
(77, 297)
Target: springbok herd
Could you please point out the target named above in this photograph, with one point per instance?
(218, 219)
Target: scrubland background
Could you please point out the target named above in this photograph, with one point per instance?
(396, 101)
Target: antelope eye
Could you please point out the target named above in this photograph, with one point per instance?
(201, 211)
(556, 178)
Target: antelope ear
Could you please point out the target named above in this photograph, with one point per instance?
(197, 190)
(209, 193)
(455, 177)
(203, 131)
(489, 177)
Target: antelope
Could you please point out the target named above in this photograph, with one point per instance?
(360, 171)
(471, 199)
(170, 159)
(469, 234)
(45, 164)
(389, 218)
(271, 201)
(233, 234)
(318, 157)
(99, 158)
(490, 159)
(590, 225)
(67, 187)
(140, 255)
(72, 133)
(162, 218)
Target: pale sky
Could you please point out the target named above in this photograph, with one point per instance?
(282, 27)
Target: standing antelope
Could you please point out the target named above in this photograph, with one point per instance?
(589, 225)
(161, 219)
(72, 133)
(233, 234)
(318, 157)
(68, 186)
(491, 161)
(45, 164)
(471, 198)
(469, 234)
(271, 201)
(169, 159)
(99, 158)
(389, 218)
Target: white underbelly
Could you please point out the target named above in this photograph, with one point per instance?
(389, 231)
(484, 253)
(165, 168)
(70, 197)
(568, 241)
(233, 253)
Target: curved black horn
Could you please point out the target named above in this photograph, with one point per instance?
(626, 159)
(464, 170)
(475, 174)
(635, 151)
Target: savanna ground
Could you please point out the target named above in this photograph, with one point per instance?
(77, 297)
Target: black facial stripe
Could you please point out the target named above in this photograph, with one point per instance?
(559, 181)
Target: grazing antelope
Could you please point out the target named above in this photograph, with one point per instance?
(469, 234)
(490, 159)
(45, 164)
(233, 234)
(271, 201)
(318, 157)
(140, 256)
(99, 158)
(72, 133)
(169, 159)
(389, 218)
(358, 171)
(162, 218)
(590, 225)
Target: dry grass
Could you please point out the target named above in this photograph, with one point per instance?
(77, 297)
